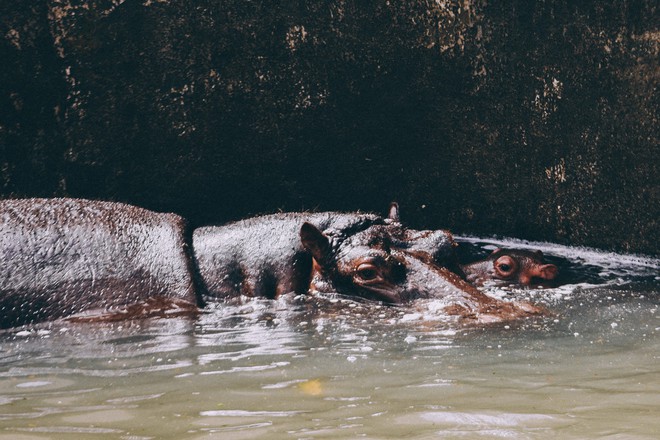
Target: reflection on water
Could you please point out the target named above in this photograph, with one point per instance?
(332, 368)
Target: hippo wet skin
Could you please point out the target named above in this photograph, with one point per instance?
(62, 257)
(511, 267)
(348, 253)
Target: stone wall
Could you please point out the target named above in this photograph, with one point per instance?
(530, 119)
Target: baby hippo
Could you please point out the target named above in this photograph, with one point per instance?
(511, 266)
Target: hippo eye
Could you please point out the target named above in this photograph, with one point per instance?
(367, 272)
(505, 266)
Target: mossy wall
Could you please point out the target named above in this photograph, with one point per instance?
(533, 119)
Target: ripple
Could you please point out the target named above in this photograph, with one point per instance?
(103, 416)
(246, 368)
(486, 420)
(281, 385)
(36, 383)
(244, 413)
(132, 399)
(69, 430)
(43, 371)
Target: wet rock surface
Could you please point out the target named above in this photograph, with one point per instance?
(522, 119)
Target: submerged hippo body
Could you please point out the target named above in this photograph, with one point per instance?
(64, 256)
(511, 267)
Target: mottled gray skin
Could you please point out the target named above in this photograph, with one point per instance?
(355, 254)
(438, 244)
(294, 252)
(511, 267)
(61, 257)
(64, 256)
(264, 256)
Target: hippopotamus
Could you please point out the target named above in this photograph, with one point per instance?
(348, 253)
(62, 257)
(360, 255)
(511, 267)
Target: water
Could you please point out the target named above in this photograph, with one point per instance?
(302, 368)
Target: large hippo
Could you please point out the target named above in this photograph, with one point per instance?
(65, 256)
(349, 253)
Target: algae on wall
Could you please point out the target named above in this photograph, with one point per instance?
(529, 119)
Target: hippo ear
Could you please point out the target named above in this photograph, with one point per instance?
(496, 250)
(393, 212)
(548, 271)
(315, 243)
(538, 253)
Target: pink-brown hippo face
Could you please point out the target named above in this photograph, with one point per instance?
(511, 266)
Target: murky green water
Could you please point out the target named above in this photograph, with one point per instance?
(283, 369)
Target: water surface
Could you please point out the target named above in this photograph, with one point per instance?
(305, 368)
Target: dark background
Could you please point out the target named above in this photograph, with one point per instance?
(533, 119)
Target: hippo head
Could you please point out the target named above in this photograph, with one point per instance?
(380, 263)
(437, 244)
(511, 266)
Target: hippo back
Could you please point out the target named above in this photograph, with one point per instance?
(64, 256)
